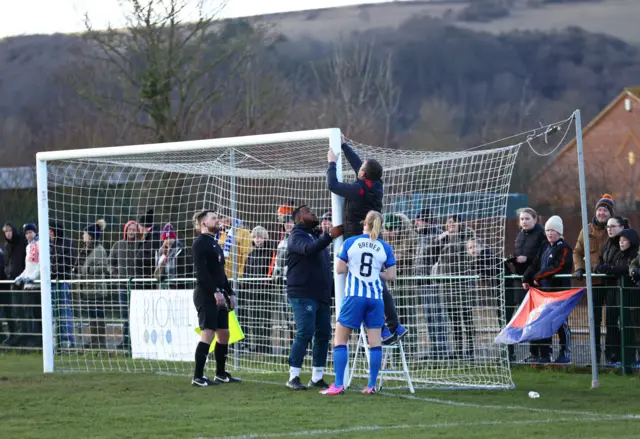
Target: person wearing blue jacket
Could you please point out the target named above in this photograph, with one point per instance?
(309, 285)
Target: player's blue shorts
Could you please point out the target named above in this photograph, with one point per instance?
(357, 310)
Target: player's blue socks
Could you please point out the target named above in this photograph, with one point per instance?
(375, 363)
(340, 359)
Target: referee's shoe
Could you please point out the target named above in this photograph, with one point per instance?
(225, 377)
(203, 382)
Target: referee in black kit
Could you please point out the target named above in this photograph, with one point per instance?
(213, 298)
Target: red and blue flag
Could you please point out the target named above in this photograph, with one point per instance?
(540, 315)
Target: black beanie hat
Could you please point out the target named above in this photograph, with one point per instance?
(146, 219)
(30, 227)
(95, 230)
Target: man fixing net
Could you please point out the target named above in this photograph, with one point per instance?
(361, 196)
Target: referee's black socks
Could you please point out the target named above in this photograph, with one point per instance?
(221, 357)
(201, 358)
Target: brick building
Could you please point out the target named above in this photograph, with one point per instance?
(611, 144)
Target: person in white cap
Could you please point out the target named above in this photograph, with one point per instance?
(554, 258)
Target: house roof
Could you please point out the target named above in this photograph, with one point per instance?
(633, 92)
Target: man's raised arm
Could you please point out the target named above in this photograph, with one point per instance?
(352, 157)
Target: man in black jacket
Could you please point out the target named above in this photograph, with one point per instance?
(149, 244)
(15, 253)
(554, 258)
(309, 284)
(213, 299)
(361, 196)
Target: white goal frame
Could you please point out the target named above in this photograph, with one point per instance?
(333, 135)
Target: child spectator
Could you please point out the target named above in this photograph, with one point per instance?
(553, 259)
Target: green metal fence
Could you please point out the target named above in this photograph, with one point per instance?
(619, 308)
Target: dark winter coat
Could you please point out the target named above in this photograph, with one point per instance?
(553, 259)
(146, 255)
(63, 256)
(15, 254)
(258, 261)
(428, 251)
(2, 274)
(123, 260)
(360, 196)
(529, 243)
(609, 254)
(456, 261)
(619, 266)
(308, 262)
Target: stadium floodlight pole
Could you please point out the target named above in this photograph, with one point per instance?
(595, 383)
(337, 217)
(45, 264)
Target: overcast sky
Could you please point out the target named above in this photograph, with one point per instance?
(50, 16)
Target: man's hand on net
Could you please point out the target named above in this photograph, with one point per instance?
(331, 156)
(336, 231)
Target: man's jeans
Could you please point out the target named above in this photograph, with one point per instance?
(64, 313)
(437, 324)
(313, 323)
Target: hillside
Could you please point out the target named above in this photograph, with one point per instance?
(446, 94)
(618, 18)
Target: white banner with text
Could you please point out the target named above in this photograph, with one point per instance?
(163, 325)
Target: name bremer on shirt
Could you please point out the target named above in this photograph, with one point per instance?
(369, 244)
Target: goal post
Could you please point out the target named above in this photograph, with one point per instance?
(118, 297)
(332, 136)
(45, 265)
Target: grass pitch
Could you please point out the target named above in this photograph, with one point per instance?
(126, 405)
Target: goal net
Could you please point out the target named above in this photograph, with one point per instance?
(122, 275)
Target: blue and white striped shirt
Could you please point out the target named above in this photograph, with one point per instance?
(365, 259)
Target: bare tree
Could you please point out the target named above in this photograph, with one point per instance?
(167, 71)
(355, 91)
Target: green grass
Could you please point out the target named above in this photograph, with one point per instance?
(121, 405)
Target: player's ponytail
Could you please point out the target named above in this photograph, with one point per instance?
(374, 222)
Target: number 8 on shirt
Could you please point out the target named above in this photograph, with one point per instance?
(363, 288)
(362, 258)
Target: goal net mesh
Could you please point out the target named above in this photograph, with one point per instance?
(122, 274)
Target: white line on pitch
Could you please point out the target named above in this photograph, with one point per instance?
(484, 406)
(357, 429)
(507, 407)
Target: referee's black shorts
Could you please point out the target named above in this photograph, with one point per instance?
(210, 315)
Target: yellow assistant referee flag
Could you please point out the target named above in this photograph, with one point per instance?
(235, 331)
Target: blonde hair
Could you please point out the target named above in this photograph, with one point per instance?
(199, 216)
(374, 223)
(260, 232)
(529, 211)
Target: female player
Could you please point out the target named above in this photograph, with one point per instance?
(363, 258)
